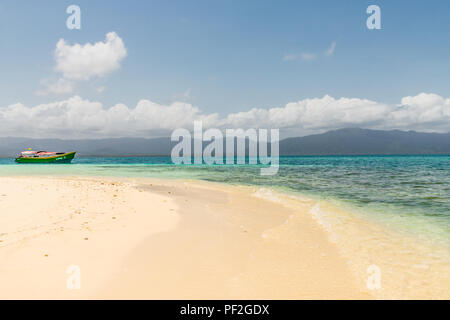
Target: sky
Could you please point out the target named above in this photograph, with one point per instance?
(144, 68)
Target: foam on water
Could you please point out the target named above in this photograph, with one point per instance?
(409, 268)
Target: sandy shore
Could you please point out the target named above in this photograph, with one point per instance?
(130, 238)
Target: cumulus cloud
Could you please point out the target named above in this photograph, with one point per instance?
(81, 118)
(312, 115)
(424, 112)
(79, 62)
(82, 62)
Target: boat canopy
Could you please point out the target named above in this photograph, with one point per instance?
(28, 152)
(38, 153)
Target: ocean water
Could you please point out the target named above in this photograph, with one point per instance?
(408, 193)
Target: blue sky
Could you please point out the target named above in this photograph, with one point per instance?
(229, 56)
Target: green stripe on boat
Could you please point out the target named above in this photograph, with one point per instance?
(59, 158)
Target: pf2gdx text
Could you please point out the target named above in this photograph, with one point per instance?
(230, 309)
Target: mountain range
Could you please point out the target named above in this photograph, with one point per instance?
(349, 141)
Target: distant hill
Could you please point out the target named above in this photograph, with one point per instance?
(98, 147)
(351, 141)
(355, 141)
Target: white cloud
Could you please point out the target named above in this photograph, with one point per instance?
(330, 50)
(305, 56)
(302, 56)
(309, 56)
(81, 118)
(424, 112)
(82, 62)
(61, 86)
(313, 114)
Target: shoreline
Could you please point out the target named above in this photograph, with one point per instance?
(409, 267)
(229, 255)
(191, 239)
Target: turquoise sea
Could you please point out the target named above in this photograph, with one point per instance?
(408, 193)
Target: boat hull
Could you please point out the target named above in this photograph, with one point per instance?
(60, 158)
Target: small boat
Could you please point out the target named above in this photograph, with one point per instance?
(45, 157)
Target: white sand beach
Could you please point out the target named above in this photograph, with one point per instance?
(134, 238)
(159, 239)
